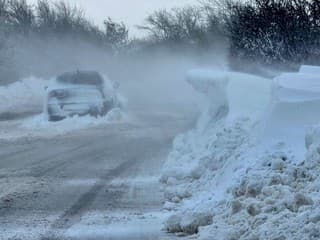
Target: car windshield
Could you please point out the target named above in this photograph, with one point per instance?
(81, 77)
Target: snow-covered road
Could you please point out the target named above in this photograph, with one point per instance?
(93, 183)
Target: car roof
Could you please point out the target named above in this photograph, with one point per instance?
(81, 77)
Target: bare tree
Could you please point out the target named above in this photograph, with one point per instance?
(67, 17)
(46, 16)
(198, 27)
(3, 9)
(117, 34)
(175, 26)
(21, 15)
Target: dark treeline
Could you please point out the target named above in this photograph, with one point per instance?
(48, 37)
(58, 19)
(281, 33)
(185, 27)
(271, 33)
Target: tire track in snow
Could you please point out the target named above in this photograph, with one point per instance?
(37, 170)
(74, 213)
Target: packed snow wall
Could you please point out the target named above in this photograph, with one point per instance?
(25, 96)
(243, 94)
(205, 161)
(295, 106)
(213, 86)
(221, 179)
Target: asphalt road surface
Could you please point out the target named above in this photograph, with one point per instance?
(96, 183)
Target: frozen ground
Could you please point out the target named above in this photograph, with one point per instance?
(248, 170)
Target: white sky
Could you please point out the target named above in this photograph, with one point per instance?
(132, 12)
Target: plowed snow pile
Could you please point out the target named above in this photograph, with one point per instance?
(241, 176)
(22, 96)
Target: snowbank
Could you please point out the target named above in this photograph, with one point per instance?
(213, 86)
(247, 94)
(22, 96)
(275, 199)
(71, 123)
(309, 69)
(39, 127)
(230, 183)
(294, 107)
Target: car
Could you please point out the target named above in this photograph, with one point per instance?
(78, 93)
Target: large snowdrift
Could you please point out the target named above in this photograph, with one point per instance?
(222, 179)
(25, 96)
(294, 107)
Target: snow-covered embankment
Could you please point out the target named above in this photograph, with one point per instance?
(25, 96)
(228, 179)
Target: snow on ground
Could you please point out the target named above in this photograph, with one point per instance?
(135, 217)
(72, 123)
(275, 199)
(39, 126)
(294, 108)
(37, 227)
(223, 180)
(22, 96)
(117, 225)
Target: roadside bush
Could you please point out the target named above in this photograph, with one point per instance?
(56, 36)
(117, 34)
(20, 15)
(180, 25)
(274, 32)
(58, 20)
(183, 28)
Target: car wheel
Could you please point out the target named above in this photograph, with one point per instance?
(94, 111)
